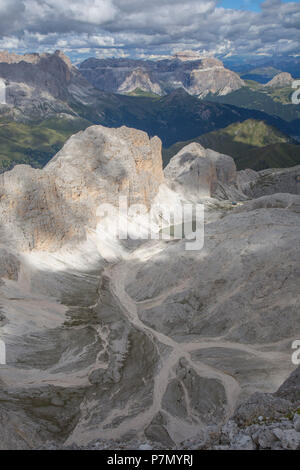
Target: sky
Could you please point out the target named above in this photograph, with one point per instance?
(150, 28)
(252, 5)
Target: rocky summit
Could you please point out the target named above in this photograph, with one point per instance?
(43, 209)
(280, 80)
(141, 343)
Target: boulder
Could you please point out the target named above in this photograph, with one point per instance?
(199, 172)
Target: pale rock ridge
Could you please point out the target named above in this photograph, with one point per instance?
(43, 209)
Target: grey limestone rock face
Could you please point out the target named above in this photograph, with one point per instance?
(267, 418)
(267, 182)
(43, 209)
(262, 422)
(273, 406)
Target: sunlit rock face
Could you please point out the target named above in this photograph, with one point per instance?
(213, 79)
(139, 79)
(200, 172)
(44, 209)
(159, 343)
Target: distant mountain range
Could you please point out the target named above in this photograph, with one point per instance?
(48, 99)
(198, 76)
(265, 64)
(273, 101)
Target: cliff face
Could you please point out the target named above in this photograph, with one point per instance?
(214, 79)
(44, 209)
(141, 80)
(40, 85)
(50, 73)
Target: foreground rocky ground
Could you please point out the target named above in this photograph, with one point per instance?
(263, 422)
(134, 343)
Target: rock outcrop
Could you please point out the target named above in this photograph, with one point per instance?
(212, 77)
(280, 80)
(199, 172)
(266, 182)
(43, 209)
(263, 422)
